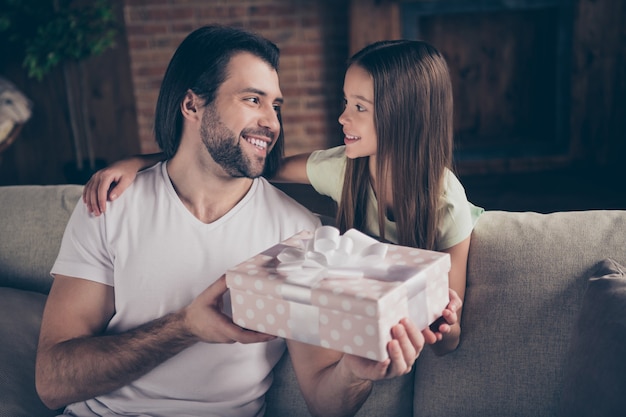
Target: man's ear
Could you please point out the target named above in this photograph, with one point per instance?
(190, 105)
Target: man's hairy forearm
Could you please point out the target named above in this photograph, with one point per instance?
(82, 368)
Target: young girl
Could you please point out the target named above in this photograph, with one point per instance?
(392, 179)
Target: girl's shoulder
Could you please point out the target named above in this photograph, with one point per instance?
(451, 184)
(458, 214)
(326, 162)
(336, 155)
(325, 170)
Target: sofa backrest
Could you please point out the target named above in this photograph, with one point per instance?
(32, 221)
(527, 275)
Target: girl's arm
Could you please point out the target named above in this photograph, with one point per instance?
(293, 169)
(110, 182)
(448, 330)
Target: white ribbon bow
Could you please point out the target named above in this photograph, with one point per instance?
(331, 255)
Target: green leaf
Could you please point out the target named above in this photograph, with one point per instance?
(47, 37)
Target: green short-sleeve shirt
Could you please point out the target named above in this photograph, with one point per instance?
(325, 170)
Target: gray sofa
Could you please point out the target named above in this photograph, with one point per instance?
(539, 338)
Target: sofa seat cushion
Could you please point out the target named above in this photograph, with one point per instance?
(20, 320)
(595, 381)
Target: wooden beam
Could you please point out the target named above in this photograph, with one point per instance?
(371, 21)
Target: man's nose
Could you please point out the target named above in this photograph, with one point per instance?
(269, 120)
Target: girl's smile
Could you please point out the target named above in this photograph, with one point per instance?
(357, 118)
(348, 139)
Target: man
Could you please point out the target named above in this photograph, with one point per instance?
(134, 322)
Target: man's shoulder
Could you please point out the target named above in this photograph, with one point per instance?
(281, 201)
(272, 192)
(148, 178)
(142, 189)
(153, 173)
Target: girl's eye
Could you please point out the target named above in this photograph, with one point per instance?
(358, 107)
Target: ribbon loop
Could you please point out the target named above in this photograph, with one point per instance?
(331, 255)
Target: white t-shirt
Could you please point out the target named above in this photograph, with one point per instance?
(159, 257)
(326, 168)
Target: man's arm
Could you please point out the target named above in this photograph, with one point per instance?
(76, 360)
(336, 384)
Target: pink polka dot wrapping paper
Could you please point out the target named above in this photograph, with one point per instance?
(350, 314)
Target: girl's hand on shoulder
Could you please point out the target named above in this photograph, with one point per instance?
(110, 182)
(107, 184)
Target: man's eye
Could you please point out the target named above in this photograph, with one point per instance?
(277, 108)
(253, 100)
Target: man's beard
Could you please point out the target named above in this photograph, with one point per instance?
(225, 149)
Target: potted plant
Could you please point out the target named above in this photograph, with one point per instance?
(50, 33)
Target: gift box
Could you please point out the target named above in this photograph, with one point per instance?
(342, 292)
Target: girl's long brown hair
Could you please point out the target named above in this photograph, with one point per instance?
(413, 117)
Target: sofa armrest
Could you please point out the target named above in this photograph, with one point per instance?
(32, 222)
(527, 275)
(20, 320)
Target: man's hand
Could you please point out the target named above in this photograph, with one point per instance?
(205, 319)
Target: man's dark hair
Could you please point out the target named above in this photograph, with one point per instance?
(199, 64)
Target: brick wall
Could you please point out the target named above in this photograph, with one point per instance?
(312, 36)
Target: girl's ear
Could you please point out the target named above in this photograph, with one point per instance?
(190, 106)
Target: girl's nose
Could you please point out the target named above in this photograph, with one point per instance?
(343, 119)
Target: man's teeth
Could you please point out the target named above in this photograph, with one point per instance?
(257, 142)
